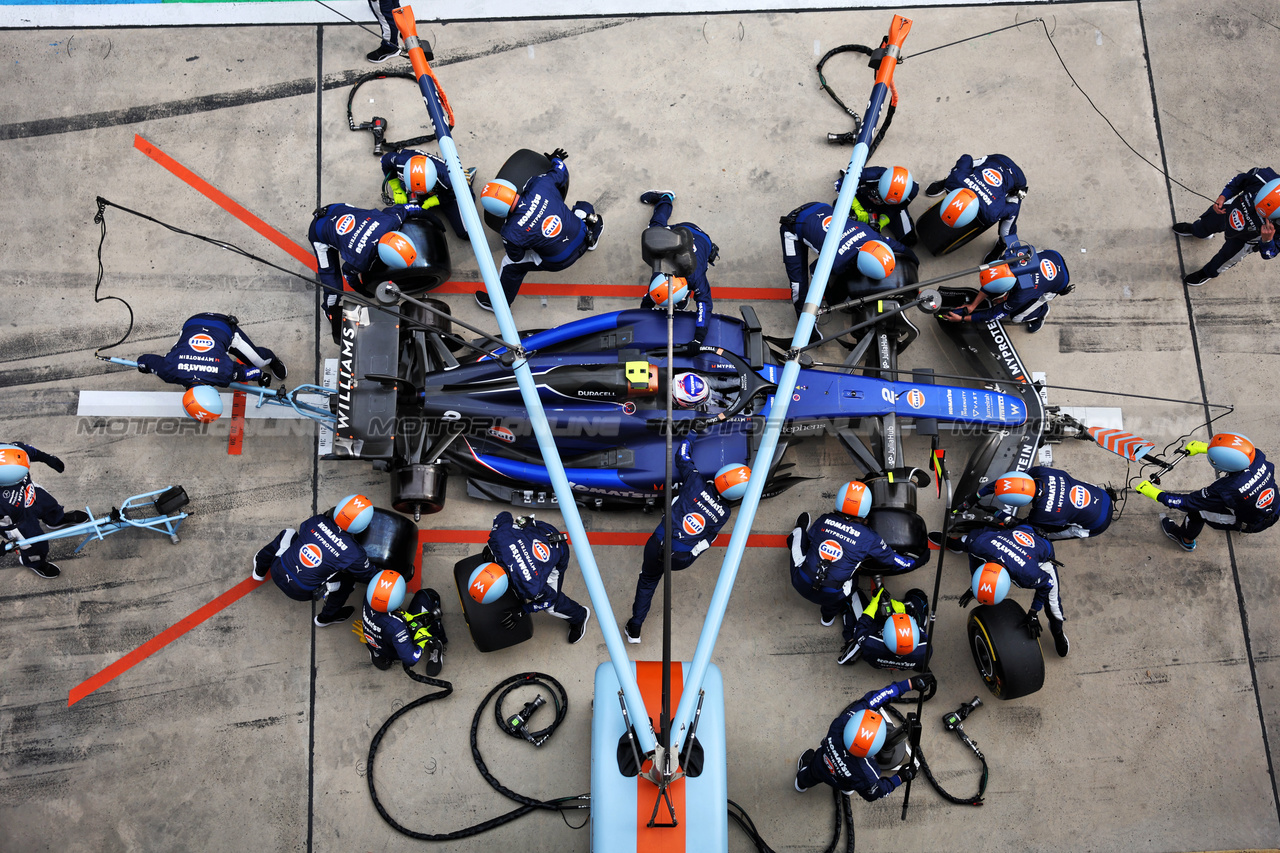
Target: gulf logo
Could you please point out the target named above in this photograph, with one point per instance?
(992, 177)
(1079, 497)
(1023, 538)
(826, 223)
(200, 342)
(1237, 220)
(541, 551)
(502, 434)
(1048, 269)
(310, 556)
(29, 495)
(551, 226)
(694, 523)
(915, 398)
(1267, 498)
(345, 224)
(830, 550)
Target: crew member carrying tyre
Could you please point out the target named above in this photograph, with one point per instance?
(888, 635)
(24, 505)
(349, 243)
(531, 557)
(698, 512)
(1021, 292)
(999, 556)
(988, 191)
(1058, 505)
(664, 287)
(392, 632)
(321, 559)
(539, 231)
(417, 177)
(1242, 500)
(881, 201)
(862, 250)
(1245, 215)
(845, 759)
(826, 557)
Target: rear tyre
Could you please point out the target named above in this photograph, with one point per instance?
(1009, 662)
(391, 542)
(519, 168)
(940, 238)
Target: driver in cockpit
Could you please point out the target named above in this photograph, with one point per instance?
(705, 392)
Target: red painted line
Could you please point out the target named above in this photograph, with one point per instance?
(299, 253)
(161, 640)
(629, 291)
(236, 442)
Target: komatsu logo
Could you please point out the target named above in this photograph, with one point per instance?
(200, 342)
(345, 224)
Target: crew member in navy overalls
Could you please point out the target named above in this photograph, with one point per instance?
(1244, 214)
(213, 350)
(845, 759)
(1000, 186)
(887, 634)
(421, 176)
(705, 253)
(805, 228)
(1243, 500)
(539, 231)
(393, 632)
(383, 10)
(24, 505)
(535, 557)
(1058, 505)
(881, 201)
(321, 557)
(826, 556)
(698, 512)
(1023, 294)
(1028, 559)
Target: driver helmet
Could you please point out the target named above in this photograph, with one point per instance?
(203, 403)
(875, 259)
(488, 583)
(14, 465)
(731, 481)
(959, 207)
(396, 250)
(854, 498)
(353, 513)
(990, 583)
(997, 279)
(895, 185)
(1267, 201)
(690, 390)
(865, 733)
(499, 196)
(1229, 451)
(664, 286)
(386, 592)
(901, 634)
(1015, 488)
(419, 174)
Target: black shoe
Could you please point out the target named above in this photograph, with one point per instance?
(850, 653)
(1034, 326)
(45, 569)
(803, 521)
(827, 623)
(335, 326)
(435, 659)
(633, 632)
(254, 573)
(377, 660)
(1183, 229)
(278, 369)
(917, 605)
(1197, 278)
(935, 189)
(482, 299)
(595, 227)
(383, 52)
(76, 516)
(1060, 642)
(342, 615)
(657, 196)
(801, 763)
(1174, 532)
(577, 632)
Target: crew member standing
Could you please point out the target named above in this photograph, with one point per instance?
(1244, 214)
(1059, 505)
(24, 505)
(989, 190)
(705, 253)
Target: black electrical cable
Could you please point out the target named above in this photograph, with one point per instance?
(382, 144)
(558, 699)
(843, 812)
(101, 219)
(528, 804)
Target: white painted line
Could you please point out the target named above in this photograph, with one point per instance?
(168, 404)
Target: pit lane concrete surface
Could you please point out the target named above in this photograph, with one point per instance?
(246, 728)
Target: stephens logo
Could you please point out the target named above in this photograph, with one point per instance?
(502, 434)
(1079, 497)
(1048, 270)
(1023, 538)
(1237, 220)
(694, 523)
(830, 550)
(1267, 498)
(915, 398)
(345, 224)
(541, 551)
(826, 223)
(310, 556)
(551, 226)
(992, 177)
(200, 342)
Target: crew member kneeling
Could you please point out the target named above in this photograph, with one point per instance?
(408, 635)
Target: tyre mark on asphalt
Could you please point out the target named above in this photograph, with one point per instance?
(260, 94)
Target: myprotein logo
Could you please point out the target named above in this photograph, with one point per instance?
(541, 551)
(1267, 498)
(1079, 497)
(1048, 270)
(345, 224)
(915, 398)
(992, 177)
(830, 550)
(200, 342)
(694, 524)
(1023, 538)
(551, 226)
(1237, 220)
(310, 556)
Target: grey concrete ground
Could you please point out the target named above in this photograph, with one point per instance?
(250, 732)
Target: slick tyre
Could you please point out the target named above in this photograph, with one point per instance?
(940, 238)
(484, 621)
(391, 542)
(519, 168)
(1009, 662)
(430, 269)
